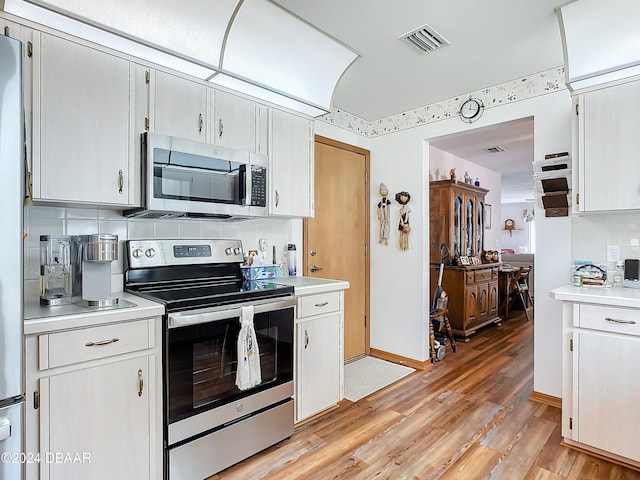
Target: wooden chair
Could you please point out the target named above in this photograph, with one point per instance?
(440, 317)
(518, 289)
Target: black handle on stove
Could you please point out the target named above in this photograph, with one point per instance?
(194, 317)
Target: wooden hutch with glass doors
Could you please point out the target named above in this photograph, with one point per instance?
(457, 219)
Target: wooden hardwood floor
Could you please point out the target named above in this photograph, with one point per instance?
(468, 418)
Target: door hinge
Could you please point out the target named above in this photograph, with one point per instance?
(146, 123)
(366, 249)
(366, 178)
(29, 49)
(36, 400)
(577, 109)
(6, 31)
(570, 423)
(577, 199)
(571, 345)
(365, 320)
(147, 77)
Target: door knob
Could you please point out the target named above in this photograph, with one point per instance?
(313, 253)
(315, 268)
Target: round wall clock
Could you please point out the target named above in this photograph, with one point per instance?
(471, 109)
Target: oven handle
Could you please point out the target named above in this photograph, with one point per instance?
(182, 319)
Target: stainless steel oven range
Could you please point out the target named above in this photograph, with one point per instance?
(210, 423)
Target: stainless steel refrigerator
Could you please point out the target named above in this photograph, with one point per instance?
(11, 240)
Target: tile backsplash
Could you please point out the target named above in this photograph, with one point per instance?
(43, 220)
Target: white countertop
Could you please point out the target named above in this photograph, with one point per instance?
(617, 296)
(312, 285)
(40, 319)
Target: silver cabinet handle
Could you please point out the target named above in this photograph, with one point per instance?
(200, 123)
(220, 128)
(277, 198)
(616, 320)
(323, 304)
(315, 268)
(101, 342)
(120, 181)
(306, 339)
(140, 382)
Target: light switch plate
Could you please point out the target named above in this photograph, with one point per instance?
(613, 253)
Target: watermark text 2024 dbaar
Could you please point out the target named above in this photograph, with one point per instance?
(46, 457)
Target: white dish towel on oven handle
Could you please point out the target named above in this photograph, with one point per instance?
(248, 372)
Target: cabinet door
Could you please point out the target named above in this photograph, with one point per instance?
(609, 146)
(458, 224)
(470, 305)
(318, 373)
(100, 417)
(234, 122)
(180, 107)
(483, 301)
(606, 392)
(291, 162)
(470, 227)
(81, 124)
(493, 299)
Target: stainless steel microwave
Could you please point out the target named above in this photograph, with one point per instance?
(185, 178)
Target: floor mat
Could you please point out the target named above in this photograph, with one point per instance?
(369, 374)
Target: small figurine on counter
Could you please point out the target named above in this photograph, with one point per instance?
(383, 215)
(403, 225)
(467, 178)
(477, 182)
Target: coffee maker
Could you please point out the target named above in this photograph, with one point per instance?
(98, 251)
(59, 270)
(77, 269)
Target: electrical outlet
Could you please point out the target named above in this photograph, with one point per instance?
(613, 253)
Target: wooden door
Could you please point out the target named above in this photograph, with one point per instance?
(336, 240)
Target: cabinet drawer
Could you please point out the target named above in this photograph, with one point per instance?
(610, 319)
(317, 304)
(482, 275)
(85, 344)
(468, 277)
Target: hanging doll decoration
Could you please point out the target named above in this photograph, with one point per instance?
(403, 225)
(383, 215)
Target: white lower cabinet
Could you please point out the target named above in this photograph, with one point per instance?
(600, 402)
(94, 402)
(319, 355)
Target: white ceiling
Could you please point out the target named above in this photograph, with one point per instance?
(492, 42)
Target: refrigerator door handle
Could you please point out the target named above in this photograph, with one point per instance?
(5, 428)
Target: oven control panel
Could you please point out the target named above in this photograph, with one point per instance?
(159, 253)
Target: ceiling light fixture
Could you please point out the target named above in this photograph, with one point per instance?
(255, 46)
(600, 41)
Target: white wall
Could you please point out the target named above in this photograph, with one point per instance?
(400, 280)
(517, 239)
(441, 162)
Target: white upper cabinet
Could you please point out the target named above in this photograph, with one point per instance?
(291, 165)
(608, 147)
(234, 123)
(180, 107)
(81, 124)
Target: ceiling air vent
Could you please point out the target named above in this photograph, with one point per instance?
(495, 149)
(425, 39)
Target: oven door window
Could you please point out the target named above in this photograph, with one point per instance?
(203, 361)
(181, 176)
